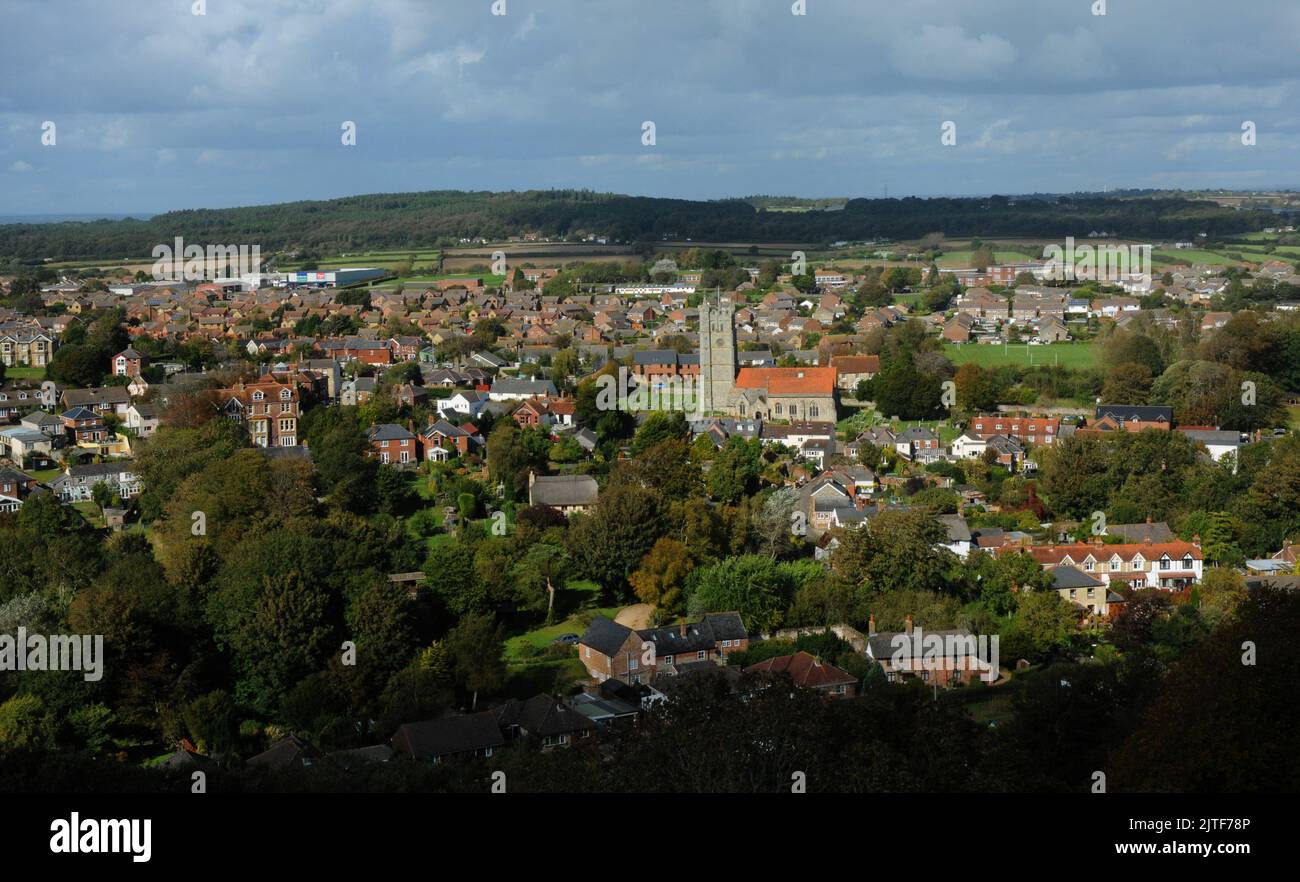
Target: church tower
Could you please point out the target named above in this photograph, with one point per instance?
(717, 356)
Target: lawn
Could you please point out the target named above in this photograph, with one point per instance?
(23, 372)
(1067, 355)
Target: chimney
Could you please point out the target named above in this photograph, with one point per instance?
(532, 478)
(683, 630)
(871, 626)
(1196, 540)
(908, 623)
(1148, 519)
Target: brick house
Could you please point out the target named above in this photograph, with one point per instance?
(391, 443)
(1032, 430)
(610, 650)
(127, 363)
(268, 409)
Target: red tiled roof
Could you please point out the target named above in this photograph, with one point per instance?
(788, 381)
(804, 670)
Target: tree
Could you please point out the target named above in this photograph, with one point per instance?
(537, 573)
(659, 579)
(475, 647)
(287, 637)
(609, 542)
(450, 574)
(1221, 592)
(751, 584)
(735, 468)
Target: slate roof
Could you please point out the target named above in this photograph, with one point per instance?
(450, 735)
(559, 490)
(605, 635)
(1073, 577)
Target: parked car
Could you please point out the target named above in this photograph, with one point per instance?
(570, 639)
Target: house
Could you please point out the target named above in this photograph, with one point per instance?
(26, 345)
(809, 672)
(1131, 418)
(509, 389)
(127, 363)
(958, 329)
(267, 408)
(1031, 430)
(1148, 532)
(565, 493)
(611, 650)
(1084, 591)
(442, 441)
(958, 539)
(919, 444)
(466, 404)
(1218, 443)
(142, 419)
(78, 482)
(853, 369)
(1171, 566)
(540, 720)
(934, 657)
(391, 443)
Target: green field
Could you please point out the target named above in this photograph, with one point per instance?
(1067, 355)
(961, 259)
(24, 373)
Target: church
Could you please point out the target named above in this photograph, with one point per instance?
(795, 394)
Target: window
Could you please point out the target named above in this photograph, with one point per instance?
(1091, 593)
(406, 456)
(1164, 563)
(285, 394)
(701, 655)
(1073, 593)
(258, 396)
(1187, 562)
(587, 651)
(812, 411)
(668, 659)
(632, 663)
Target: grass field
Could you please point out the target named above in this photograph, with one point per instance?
(961, 259)
(1067, 355)
(25, 373)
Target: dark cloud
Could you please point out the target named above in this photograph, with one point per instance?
(158, 108)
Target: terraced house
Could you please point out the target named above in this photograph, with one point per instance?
(1171, 566)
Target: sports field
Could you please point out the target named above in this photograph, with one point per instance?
(1067, 355)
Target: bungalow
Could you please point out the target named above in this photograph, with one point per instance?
(809, 672)
(509, 389)
(565, 493)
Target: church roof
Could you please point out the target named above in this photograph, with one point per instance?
(788, 381)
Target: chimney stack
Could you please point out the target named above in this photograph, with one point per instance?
(871, 626)
(683, 630)
(908, 623)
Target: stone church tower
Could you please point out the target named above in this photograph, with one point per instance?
(717, 356)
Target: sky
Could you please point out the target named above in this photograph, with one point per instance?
(157, 108)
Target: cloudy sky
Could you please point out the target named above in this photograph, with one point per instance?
(157, 108)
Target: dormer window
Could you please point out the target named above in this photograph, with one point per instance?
(285, 394)
(258, 396)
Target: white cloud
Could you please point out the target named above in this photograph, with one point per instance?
(20, 166)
